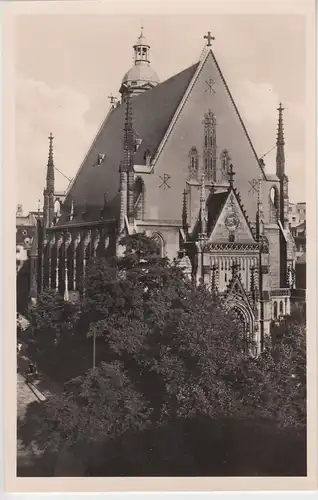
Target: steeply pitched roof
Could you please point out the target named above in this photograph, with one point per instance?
(215, 203)
(152, 113)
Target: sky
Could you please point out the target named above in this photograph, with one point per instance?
(68, 65)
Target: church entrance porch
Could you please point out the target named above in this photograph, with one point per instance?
(246, 318)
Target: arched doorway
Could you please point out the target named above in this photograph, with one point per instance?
(243, 315)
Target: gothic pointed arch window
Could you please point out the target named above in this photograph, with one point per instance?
(57, 207)
(273, 204)
(210, 147)
(147, 157)
(275, 310)
(139, 198)
(193, 163)
(158, 238)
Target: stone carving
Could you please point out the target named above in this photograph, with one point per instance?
(193, 163)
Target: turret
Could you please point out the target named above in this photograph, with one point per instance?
(280, 143)
(48, 193)
(259, 213)
(126, 168)
(203, 214)
(185, 224)
(141, 76)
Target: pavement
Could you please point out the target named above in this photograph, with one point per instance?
(29, 391)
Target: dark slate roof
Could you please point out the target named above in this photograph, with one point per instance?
(215, 203)
(152, 113)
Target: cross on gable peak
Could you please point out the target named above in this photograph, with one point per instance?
(112, 98)
(208, 37)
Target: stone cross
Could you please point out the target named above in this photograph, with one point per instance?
(209, 37)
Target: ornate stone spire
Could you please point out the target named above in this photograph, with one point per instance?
(231, 174)
(48, 208)
(128, 133)
(280, 143)
(128, 163)
(50, 167)
(260, 211)
(203, 214)
(185, 210)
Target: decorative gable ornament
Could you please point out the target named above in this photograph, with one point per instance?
(100, 158)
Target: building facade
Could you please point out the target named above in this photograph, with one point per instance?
(174, 160)
(297, 214)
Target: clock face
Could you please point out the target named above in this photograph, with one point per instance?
(232, 221)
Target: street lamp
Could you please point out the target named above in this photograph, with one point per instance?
(94, 347)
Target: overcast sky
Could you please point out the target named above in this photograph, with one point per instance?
(67, 65)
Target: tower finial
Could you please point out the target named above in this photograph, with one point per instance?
(231, 174)
(280, 143)
(50, 166)
(141, 49)
(50, 159)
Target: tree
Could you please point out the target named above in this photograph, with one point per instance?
(52, 317)
(174, 374)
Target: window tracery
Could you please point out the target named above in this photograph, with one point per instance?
(193, 163)
(157, 237)
(210, 147)
(273, 204)
(139, 199)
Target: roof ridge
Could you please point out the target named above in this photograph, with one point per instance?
(238, 199)
(225, 195)
(180, 106)
(237, 112)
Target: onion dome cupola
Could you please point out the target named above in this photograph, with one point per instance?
(141, 77)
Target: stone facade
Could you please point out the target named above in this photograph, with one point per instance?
(169, 157)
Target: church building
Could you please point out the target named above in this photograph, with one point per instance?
(174, 160)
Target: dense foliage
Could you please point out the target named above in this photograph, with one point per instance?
(172, 377)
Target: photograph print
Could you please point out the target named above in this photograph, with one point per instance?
(160, 245)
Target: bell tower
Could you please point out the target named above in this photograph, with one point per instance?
(141, 76)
